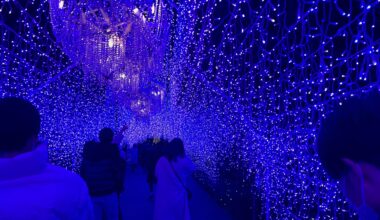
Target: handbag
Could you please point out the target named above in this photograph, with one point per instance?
(189, 193)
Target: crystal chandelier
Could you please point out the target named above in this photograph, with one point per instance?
(119, 43)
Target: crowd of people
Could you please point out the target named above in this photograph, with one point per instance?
(103, 169)
(32, 188)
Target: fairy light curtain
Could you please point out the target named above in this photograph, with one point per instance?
(262, 74)
(248, 82)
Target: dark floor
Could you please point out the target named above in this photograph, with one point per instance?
(137, 205)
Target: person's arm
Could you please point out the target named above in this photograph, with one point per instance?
(119, 136)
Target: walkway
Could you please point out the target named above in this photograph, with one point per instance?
(136, 204)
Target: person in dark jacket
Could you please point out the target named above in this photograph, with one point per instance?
(103, 170)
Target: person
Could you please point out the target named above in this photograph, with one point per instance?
(152, 156)
(134, 157)
(123, 151)
(172, 194)
(30, 187)
(348, 145)
(103, 170)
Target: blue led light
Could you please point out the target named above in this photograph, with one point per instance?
(247, 84)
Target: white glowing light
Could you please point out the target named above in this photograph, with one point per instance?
(136, 11)
(61, 4)
(111, 42)
(153, 9)
(123, 76)
(114, 41)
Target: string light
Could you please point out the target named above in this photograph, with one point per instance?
(248, 82)
(261, 76)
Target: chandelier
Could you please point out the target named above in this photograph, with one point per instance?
(119, 43)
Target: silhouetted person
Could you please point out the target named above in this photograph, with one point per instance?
(30, 187)
(172, 194)
(349, 148)
(103, 170)
(152, 156)
(134, 157)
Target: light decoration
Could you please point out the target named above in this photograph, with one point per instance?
(260, 75)
(248, 84)
(109, 39)
(61, 4)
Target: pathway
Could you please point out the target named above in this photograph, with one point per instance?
(136, 204)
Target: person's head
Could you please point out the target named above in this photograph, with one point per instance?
(349, 148)
(20, 124)
(106, 135)
(175, 149)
